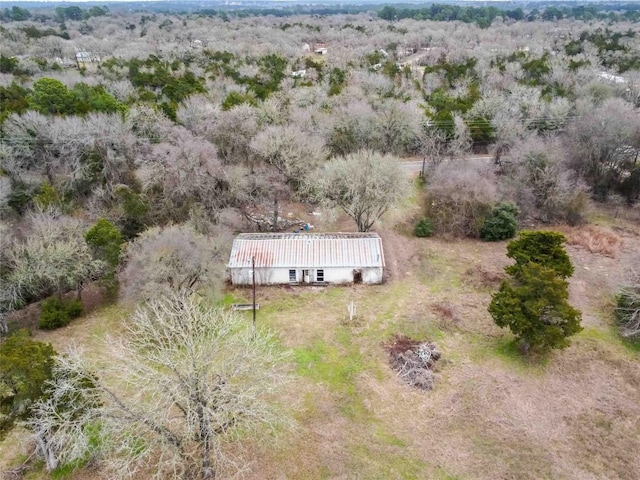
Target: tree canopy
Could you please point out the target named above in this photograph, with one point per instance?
(364, 184)
(201, 379)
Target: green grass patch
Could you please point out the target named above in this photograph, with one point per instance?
(110, 320)
(388, 318)
(231, 298)
(379, 462)
(66, 470)
(506, 349)
(609, 337)
(326, 364)
(388, 439)
(631, 345)
(439, 272)
(337, 368)
(441, 474)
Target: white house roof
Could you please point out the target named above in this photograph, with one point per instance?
(307, 250)
(612, 78)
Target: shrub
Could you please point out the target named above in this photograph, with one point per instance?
(459, 198)
(58, 313)
(424, 228)
(501, 224)
(628, 309)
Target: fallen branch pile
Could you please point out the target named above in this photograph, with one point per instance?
(413, 361)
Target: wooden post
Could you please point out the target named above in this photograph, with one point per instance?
(253, 274)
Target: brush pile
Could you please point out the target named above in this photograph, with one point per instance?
(413, 361)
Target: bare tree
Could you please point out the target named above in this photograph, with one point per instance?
(461, 143)
(71, 153)
(182, 171)
(29, 136)
(199, 380)
(603, 143)
(161, 260)
(397, 127)
(459, 198)
(197, 114)
(9, 296)
(231, 131)
(363, 184)
(537, 178)
(433, 146)
(292, 152)
(66, 421)
(53, 257)
(628, 306)
(147, 122)
(632, 92)
(505, 116)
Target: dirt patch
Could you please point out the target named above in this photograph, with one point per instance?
(413, 361)
(400, 253)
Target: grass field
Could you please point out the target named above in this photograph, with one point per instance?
(574, 414)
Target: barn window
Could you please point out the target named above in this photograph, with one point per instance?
(320, 275)
(292, 276)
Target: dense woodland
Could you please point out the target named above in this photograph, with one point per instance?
(135, 144)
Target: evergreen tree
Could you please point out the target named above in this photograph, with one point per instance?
(533, 304)
(543, 248)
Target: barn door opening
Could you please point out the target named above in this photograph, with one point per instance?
(306, 277)
(357, 276)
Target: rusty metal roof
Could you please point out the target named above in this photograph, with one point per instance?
(307, 250)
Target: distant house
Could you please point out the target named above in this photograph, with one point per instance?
(612, 78)
(306, 258)
(320, 48)
(84, 59)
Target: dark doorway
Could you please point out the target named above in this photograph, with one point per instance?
(357, 276)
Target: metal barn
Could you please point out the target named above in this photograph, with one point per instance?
(306, 258)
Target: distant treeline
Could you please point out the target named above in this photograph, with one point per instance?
(482, 16)
(19, 14)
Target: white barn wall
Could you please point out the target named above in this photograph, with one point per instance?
(280, 276)
(372, 275)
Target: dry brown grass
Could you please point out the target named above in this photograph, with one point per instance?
(595, 240)
(481, 276)
(446, 311)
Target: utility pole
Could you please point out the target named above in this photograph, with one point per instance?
(253, 274)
